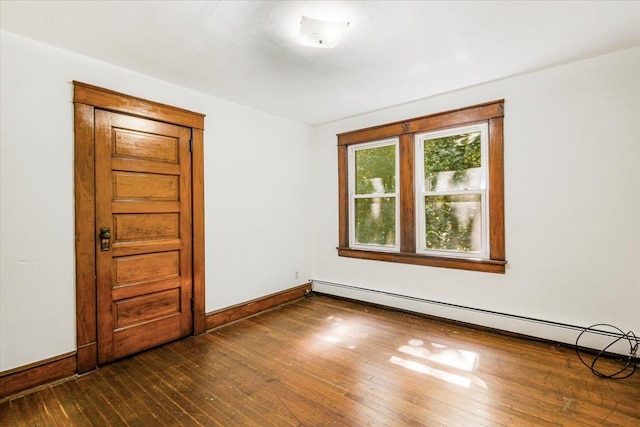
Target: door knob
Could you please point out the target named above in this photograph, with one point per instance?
(105, 238)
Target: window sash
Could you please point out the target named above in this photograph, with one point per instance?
(483, 253)
(491, 113)
(421, 193)
(395, 247)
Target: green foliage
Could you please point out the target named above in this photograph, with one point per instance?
(375, 217)
(457, 153)
(376, 229)
(451, 153)
(374, 163)
(444, 229)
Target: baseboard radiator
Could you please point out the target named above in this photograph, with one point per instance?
(596, 339)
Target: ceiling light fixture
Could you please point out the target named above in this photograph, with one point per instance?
(322, 34)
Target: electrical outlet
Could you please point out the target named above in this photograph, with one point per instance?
(297, 274)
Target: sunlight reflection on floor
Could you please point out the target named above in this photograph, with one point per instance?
(446, 357)
(461, 359)
(436, 373)
(445, 363)
(344, 332)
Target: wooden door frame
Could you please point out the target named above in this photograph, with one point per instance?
(86, 99)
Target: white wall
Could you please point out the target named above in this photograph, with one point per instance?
(258, 221)
(572, 140)
(572, 147)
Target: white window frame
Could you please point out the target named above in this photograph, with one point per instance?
(483, 191)
(353, 196)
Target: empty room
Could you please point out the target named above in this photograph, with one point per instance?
(315, 213)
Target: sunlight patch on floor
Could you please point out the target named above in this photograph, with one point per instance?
(436, 373)
(446, 358)
(446, 363)
(343, 332)
(460, 359)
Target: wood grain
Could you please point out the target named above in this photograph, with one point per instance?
(343, 196)
(34, 374)
(186, 234)
(461, 117)
(134, 248)
(84, 185)
(141, 186)
(227, 315)
(146, 226)
(136, 308)
(138, 145)
(371, 134)
(496, 188)
(491, 113)
(143, 268)
(113, 101)
(137, 165)
(160, 157)
(483, 265)
(197, 197)
(457, 117)
(323, 361)
(407, 195)
(147, 307)
(87, 357)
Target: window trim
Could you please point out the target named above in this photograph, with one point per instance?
(491, 113)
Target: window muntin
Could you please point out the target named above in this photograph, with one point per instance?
(451, 192)
(373, 196)
(492, 115)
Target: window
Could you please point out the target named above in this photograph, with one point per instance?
(373, 195)
(452, 208)
(426, 191)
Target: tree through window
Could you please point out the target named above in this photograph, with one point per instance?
(451, 172)
(426, 191)
(374, 199)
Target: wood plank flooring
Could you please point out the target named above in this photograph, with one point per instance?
(321, 361)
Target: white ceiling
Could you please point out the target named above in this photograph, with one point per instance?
(394, 52)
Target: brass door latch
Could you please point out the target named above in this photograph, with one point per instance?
(105, 238)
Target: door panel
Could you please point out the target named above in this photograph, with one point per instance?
(136, 269)
(137, 145)
(155, 305)
(145, 226)
(143, 195)
(143, 186)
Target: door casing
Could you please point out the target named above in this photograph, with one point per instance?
(86, 99)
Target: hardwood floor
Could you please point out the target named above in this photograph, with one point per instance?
(321, 361)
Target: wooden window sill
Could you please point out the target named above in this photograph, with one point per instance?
(484, 265)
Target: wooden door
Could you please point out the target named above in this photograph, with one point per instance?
(143, 197)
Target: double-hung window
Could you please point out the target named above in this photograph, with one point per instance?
(427, 191)
(373, 193)
(451, 175)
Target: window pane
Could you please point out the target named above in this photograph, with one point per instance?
(452, 162)
(453, 223)
(376, 221)
(376, 170)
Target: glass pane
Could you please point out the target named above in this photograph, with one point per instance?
(376, 221)
(452, 162)
(376, 170)
(453, 223)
